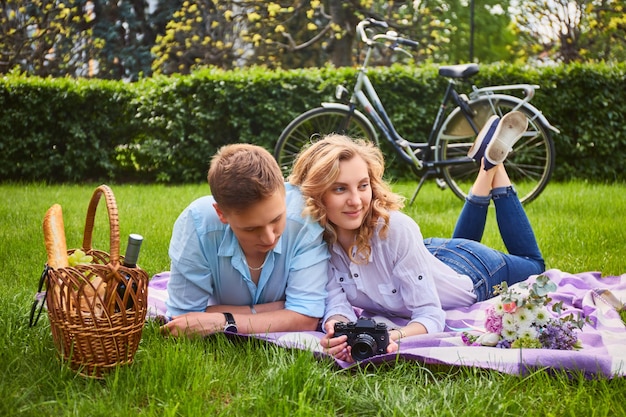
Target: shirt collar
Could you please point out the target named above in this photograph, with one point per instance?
(337, 249)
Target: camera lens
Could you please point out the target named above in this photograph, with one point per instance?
(363, 347)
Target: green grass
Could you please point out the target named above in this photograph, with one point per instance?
(579, 227)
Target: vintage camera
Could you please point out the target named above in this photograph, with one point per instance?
(365, 337)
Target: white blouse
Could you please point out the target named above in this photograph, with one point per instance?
(402, 279)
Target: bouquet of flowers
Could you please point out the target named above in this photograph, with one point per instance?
(521, 319)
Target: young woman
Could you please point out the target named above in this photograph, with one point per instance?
(379, 260)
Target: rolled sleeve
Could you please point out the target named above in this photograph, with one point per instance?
(189, 287)
(306, 292)
(432, 318)
(306, 284)
(185, 294)
(306, 257)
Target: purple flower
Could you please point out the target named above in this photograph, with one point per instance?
(468, 339)
(558, 335)
(503, 344)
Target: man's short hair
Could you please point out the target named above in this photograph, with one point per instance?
(243, 174)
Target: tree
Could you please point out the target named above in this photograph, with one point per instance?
(236, 33)
(492, 33)
(125, 32)
(553, 25)
(45, 37)
(605, 36)
(81, 38)
(574, 30)
(288, 34)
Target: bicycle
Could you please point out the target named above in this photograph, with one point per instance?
(444, 154)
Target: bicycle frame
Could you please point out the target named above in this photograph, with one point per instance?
(417, 154)
(458, 120)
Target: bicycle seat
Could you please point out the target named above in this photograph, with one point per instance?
(458, 71)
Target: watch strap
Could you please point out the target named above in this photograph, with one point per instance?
(231, 325)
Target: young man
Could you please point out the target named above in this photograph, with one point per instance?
(244, 259)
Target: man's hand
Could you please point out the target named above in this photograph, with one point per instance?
(194, 324)
(206, 323)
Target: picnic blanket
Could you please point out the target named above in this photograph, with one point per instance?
(603, 338)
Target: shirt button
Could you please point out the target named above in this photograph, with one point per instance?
(340, 279)
(394, 291)
(356, 275)
(419, 277)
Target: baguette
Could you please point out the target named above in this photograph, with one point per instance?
(54, 236)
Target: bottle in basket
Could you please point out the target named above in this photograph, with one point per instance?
(130, 261)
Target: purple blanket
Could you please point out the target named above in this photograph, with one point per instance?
(603, 338)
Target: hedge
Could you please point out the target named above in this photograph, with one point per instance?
(165, 129)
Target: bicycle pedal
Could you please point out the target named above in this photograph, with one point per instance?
(441, 183)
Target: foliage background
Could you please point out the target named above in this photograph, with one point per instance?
(132, 39)
(165, 129)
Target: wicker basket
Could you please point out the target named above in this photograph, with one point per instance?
(97, 311)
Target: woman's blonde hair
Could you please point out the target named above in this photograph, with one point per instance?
(316, 169)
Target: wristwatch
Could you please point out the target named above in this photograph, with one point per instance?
(230, 326)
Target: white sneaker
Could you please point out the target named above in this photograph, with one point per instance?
(477, 151)
(510, 129)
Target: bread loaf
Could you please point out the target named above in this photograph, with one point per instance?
(54, 236)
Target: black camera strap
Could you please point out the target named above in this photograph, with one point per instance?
(40, 299)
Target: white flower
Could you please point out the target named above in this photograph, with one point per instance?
(509, 322)
(509, 334)
(527, 331)
(530, 307)
(498, 309)
(542, 317)
(523, 317)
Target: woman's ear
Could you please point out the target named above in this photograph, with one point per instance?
(220, 213)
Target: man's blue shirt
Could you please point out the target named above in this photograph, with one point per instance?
(208, 268)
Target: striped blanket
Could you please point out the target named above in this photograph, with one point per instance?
(603, 338)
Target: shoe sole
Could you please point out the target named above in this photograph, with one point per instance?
(477, 151)
(510, 129)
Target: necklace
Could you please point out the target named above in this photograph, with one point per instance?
(251, 268)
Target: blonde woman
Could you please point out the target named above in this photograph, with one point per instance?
(380, 262)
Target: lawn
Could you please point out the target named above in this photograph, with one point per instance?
(579, 226)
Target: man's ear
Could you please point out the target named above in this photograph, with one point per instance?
(220, 213)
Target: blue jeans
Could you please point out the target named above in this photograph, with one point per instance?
(485, 266)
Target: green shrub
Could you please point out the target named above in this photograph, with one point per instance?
(61, 129)
(165, 129)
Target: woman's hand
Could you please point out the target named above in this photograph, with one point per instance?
(392, 347)
(338, 346)
(198, 323)
(335, 346)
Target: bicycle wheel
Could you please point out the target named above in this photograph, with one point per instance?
(529, 165)
(313, 125)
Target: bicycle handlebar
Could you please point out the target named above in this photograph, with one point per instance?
(389, 35)
(407, 42)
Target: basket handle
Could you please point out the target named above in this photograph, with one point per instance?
(114, 233)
